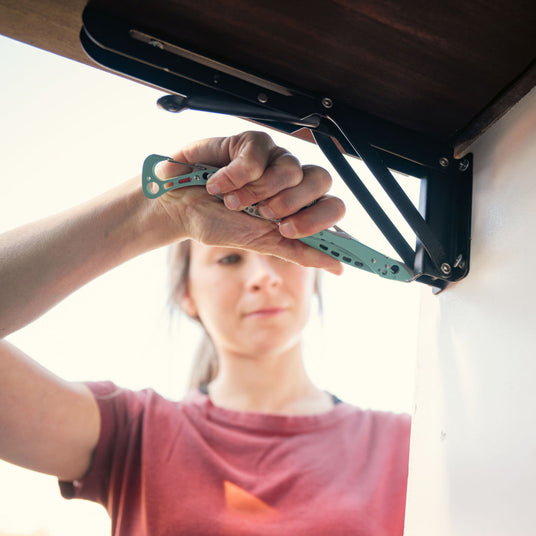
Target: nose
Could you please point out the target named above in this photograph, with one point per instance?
(262, 274)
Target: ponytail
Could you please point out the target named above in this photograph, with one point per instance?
(205, 364)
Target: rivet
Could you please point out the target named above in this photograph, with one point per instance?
(444, 161)
(327, 102)
(262, 98)
(445, 268)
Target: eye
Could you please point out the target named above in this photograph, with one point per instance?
(233, 258)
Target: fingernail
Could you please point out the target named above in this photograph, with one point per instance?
(213, 188)
(266, 212)
(287, 229)
(232, 202)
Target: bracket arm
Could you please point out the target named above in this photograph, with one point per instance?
(360, 191)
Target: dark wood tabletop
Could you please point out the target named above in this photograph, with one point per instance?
(446, 69)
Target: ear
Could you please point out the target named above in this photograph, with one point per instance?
(188, 305)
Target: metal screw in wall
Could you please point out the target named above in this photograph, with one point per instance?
(459, 262)
(463, 165)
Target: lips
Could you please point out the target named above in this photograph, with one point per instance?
(265, 312)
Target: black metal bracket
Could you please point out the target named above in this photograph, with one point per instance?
(441, 223)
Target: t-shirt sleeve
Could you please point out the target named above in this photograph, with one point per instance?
(119, 443)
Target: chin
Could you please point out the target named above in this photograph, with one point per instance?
(274, 347)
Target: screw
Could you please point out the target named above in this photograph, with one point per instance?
(459, 262)
(262, 98)
(445, 268)
(444, 161)
(463, 165)
(327, 102)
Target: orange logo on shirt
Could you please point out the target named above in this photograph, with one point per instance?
(239, 500)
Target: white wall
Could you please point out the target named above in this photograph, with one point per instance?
(473, 458)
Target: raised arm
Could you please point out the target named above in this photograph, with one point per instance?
(51, 425)
(45, 261)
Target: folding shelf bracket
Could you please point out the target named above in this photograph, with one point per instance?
(442, 222)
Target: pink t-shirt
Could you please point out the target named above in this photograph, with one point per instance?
(175, 468)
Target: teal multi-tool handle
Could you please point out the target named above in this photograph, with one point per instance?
(336, 243)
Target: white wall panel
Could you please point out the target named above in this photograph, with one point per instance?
(473, 458)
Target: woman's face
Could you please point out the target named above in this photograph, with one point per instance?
(250, 304)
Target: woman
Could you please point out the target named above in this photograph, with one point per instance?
(259, 449)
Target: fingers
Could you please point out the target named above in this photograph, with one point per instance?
(242, 158)
(322, 215)
(232, 229)
(256, 171)
(282, 173)
(315, 183)
(249, 155)
(263, 237)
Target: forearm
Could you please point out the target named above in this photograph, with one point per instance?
(43, 262)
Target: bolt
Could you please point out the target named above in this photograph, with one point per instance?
(444, 161)
(327, 102)
(262, 98)
(463, 165)
(445, 268)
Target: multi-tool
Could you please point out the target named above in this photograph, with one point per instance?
(334, 242)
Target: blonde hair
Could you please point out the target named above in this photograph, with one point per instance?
(205, 365)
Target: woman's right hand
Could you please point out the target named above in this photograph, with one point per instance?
(254, 170)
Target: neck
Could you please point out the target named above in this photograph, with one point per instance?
(272, 383)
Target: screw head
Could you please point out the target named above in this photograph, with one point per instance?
(445, 268)
(463, 165)
(327, 103)
(262, 98)
(444, 161)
